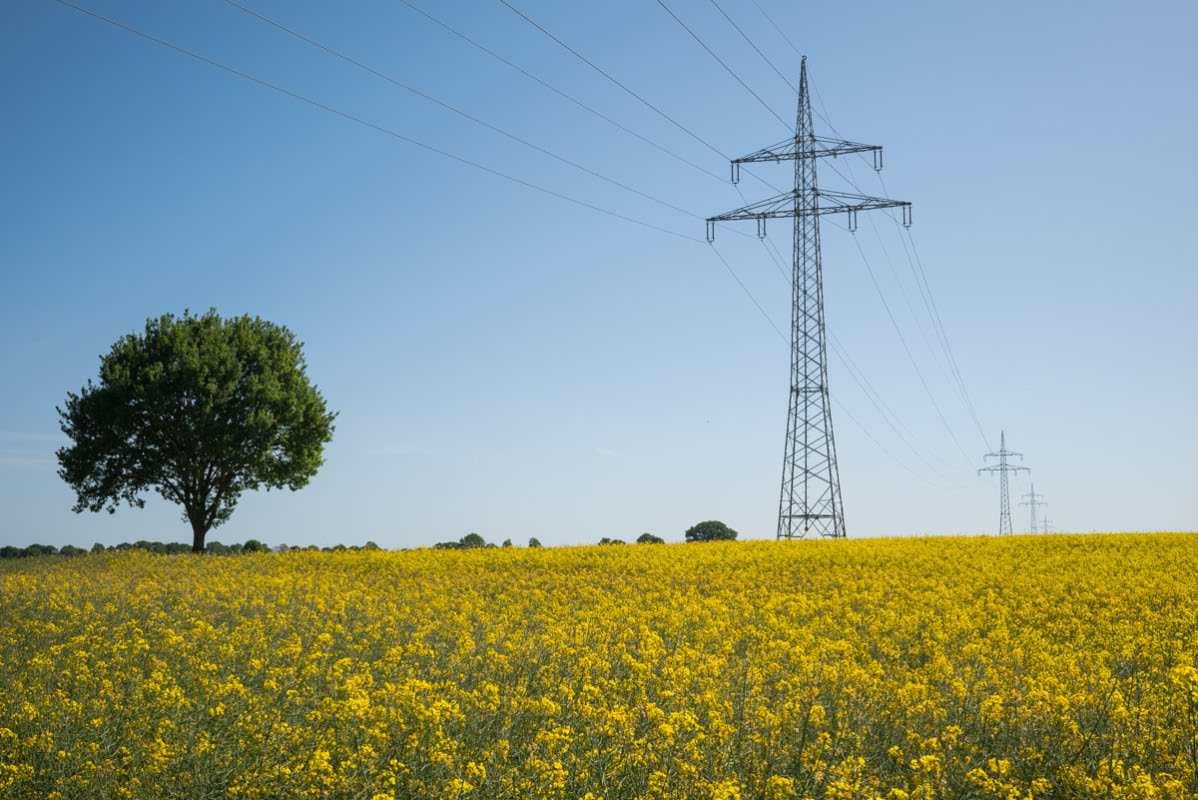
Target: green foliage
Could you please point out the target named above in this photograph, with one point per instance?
(534, 542)
(199, 409)
(606, 540)
(648, 538)
(467, 542)
(507, 542)
(710, 531)
(169, 548)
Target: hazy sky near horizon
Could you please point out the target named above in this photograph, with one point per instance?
(508, 362)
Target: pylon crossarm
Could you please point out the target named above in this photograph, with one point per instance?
(782, 205)
(843, 201)
(787, 150)
(785, 205)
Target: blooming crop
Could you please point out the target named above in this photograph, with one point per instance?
(1020, 667)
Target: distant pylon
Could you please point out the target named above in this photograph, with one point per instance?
(810, 499)
(1032, 499)
(1002, 468)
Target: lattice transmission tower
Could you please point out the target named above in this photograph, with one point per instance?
(1032, 499)
(810, 497)
(1002, 468)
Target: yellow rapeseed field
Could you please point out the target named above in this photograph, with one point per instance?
(1021, 667)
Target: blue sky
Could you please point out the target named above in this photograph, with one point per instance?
(510, 363)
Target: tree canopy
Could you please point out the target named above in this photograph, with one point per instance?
(200, 409)
(710, 531)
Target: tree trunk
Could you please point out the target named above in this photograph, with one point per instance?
(198, 531)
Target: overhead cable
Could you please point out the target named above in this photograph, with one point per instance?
(461, 113)
(630, 92)
(711, 52)
(757, 50)
(557, 91)
(379, 128)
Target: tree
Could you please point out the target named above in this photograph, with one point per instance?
(467, 542)
(534, 542)
(607, 540)
(648, 538)
(472, 540)
(199, 409)
(710, 531)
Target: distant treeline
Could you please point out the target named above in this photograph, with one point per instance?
(167, 548)
(704, 531)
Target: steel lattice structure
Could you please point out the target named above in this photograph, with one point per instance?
(1002, 468)
(810, 496)
(1034, 500)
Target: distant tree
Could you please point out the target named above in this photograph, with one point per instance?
(648, 538)
(471, 540)
(97, 548)
(71, 550)
(606, 540)
(8, 551)
(254, 546)
(507, 542)
(199, 409)
(370, 546)
(710, 531)
(534, 542)
(41, 550)
(216, 549)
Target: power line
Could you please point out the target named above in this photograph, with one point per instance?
(921, 279)
(460, 112)
(376, 127)
(907, 349)
(633, 94)
(939, 323)
(877, 286)
(865, 430)
(557, 91)
(832, 167)
(600, 70)
(882, 447)
(748, 294)
(755, 48)
(810, 495)
(711, 52)
(862, 380)
(777, 28)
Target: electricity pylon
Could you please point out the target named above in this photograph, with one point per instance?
(810, 496)
(1002, 468)
(1032, 499)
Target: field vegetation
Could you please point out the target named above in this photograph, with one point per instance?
(1021, 667)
